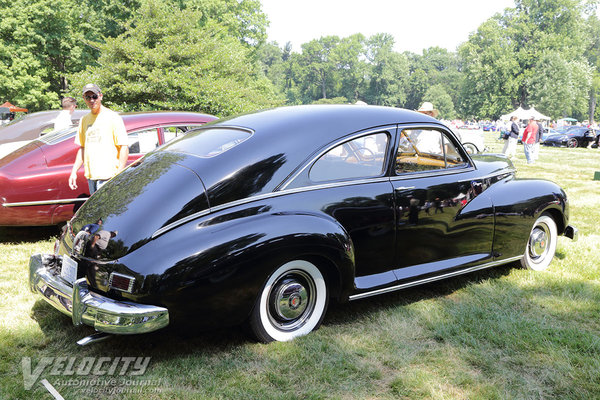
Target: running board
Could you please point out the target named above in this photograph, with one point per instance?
(433, 278)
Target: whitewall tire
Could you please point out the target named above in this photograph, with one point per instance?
(541, 244)
(292, 303)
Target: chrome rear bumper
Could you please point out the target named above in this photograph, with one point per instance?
(572, 233)
(86, 307)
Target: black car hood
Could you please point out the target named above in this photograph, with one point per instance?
(140, 200)
(493, 164)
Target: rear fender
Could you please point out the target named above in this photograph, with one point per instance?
(221, 262)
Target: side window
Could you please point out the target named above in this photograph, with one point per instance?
(425, 150)
(143, 141)
(362, 157)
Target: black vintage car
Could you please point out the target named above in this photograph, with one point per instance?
(574, 136)
(263, 218)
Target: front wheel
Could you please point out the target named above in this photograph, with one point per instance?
(572, 143)
(292, 303)
(541, 245)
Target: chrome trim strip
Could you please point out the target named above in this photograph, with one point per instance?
(282, 190)
(433, 278)
(303, 189)
(45, 202)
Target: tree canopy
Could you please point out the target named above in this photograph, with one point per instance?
(212, 56)
(170, 59)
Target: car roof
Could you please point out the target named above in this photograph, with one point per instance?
(282, 140)
(139, 120)
(30, 126)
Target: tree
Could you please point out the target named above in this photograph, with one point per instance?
(490, 85)
(243, 19)
(418, 83)
(593, 57)
(438, 96)
(319, 67)
(502, 60)
(167, 60)
(561, 87)
(351, 66)
(388, 72)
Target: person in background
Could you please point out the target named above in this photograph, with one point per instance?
(63, 120)
(538, 139)
(427, 109)
(529, 138)
(102, 141)
(510, 147)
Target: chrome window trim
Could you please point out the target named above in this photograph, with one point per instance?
(45, 202)
(433, 172)
(433, 278)
(442, 129)
(345, 139)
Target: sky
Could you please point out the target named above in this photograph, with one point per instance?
(415, 25)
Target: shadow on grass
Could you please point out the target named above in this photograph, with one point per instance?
(180, 340)
(172, 341)
(28, 234)
(340, 314)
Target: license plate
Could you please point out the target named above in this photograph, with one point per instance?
(69, 269)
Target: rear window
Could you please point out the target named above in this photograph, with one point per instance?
(208, 142)
(59, 136)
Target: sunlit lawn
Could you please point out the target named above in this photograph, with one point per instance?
(504, 333)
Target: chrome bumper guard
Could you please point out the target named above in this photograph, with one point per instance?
(572, 233)
(86, 307)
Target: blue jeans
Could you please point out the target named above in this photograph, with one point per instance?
(95, 184)
(529, 152)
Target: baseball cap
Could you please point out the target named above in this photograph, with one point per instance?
(91, 87)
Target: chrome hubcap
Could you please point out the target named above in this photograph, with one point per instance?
(538, 242)
(292, 300)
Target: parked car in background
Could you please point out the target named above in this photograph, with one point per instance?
(31, 126)
(34, 187)
(261, 219)
(472, 140)
(547, 132)
(574, 136)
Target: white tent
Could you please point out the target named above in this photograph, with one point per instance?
(520, 113)
(536, 114)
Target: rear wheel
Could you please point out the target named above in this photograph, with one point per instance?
(541, 245)
(292, 303)
(470, 148)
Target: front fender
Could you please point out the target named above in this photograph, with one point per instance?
(518, 203)
(213, 268)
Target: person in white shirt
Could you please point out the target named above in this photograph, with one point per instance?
(63, 120)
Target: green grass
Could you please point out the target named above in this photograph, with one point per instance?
(504, 333)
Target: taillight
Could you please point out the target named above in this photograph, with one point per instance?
(121, 282)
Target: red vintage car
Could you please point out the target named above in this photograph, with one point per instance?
(34, 189)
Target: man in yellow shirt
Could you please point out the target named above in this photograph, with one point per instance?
(102, 141)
